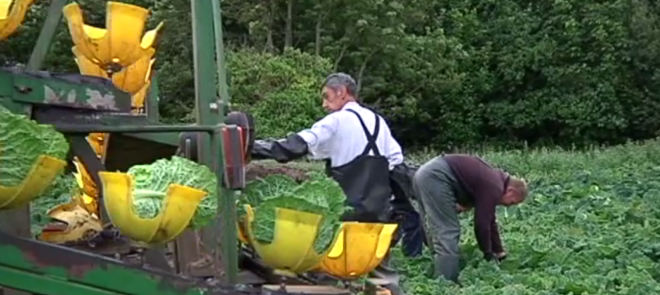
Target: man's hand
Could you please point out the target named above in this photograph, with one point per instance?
(500, 256)
(495, 257)
(462, 209)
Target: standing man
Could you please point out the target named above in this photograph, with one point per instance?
(450, 184)
(359, 151)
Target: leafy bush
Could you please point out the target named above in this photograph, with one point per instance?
(282, 91)
(446, 74)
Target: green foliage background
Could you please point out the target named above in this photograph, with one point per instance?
(456, 74)
(446, 73)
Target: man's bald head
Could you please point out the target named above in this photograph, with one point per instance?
(516, 191)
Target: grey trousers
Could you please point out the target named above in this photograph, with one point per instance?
(434, 183)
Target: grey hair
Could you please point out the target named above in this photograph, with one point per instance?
(335, 80)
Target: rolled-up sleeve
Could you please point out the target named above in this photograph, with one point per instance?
(319, 136)
(394, 153)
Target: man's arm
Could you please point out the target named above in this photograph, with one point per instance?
(484, 214)
(496, 241)
(307, 142)
(320, 135)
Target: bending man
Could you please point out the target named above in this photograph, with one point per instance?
(450, 184)
(360, 152)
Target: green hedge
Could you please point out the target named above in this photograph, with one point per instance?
(445, 73)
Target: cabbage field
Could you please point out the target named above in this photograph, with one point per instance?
(590, 226)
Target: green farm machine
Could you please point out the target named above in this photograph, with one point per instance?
(108, 114)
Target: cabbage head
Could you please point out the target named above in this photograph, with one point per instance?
(22, 141)
(260, 189)
(322, 196)
(150, 184)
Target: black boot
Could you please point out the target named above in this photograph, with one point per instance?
(394, 289)
(447, 267)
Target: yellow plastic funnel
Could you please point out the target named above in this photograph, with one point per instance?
(241, 231)
(121, 42)
(137, 101)
(131, 79)
(359, 248)
(85, 183)
(73, 223)
(292, 249)
(12, 16)
(88, 188)
(42, 174)
(178, 209)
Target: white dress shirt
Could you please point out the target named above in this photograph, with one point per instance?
(340, 137)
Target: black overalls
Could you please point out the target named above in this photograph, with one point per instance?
(365, 180)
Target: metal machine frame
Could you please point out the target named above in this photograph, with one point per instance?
(28, 266)
(42, 268)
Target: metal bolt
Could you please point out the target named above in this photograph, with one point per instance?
(214, 106)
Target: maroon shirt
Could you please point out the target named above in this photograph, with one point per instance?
(484, 187)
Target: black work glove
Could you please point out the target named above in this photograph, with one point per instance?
(262, 149)
(281, 150)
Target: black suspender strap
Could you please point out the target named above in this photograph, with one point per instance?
(371, 138)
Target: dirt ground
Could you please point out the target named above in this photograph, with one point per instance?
(297, 171)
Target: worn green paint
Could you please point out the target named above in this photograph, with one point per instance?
(113, 278)
(34, 89)
(151, 107)
(38, 284)
(208, 111)
(20, 90)
(9, 104)
(203, 57)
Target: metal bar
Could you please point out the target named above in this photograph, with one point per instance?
(70, 128)
(206, 105)
(46, 36)
(26, 281)
(152, 100)
(205, 87)
(228, 200)
(223, 89)
(213, 238)
(228, 218)
(86, 155)
(155, 257)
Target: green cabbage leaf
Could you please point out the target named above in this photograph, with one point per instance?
(22, 141)
(152, 181)
(321, 195)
